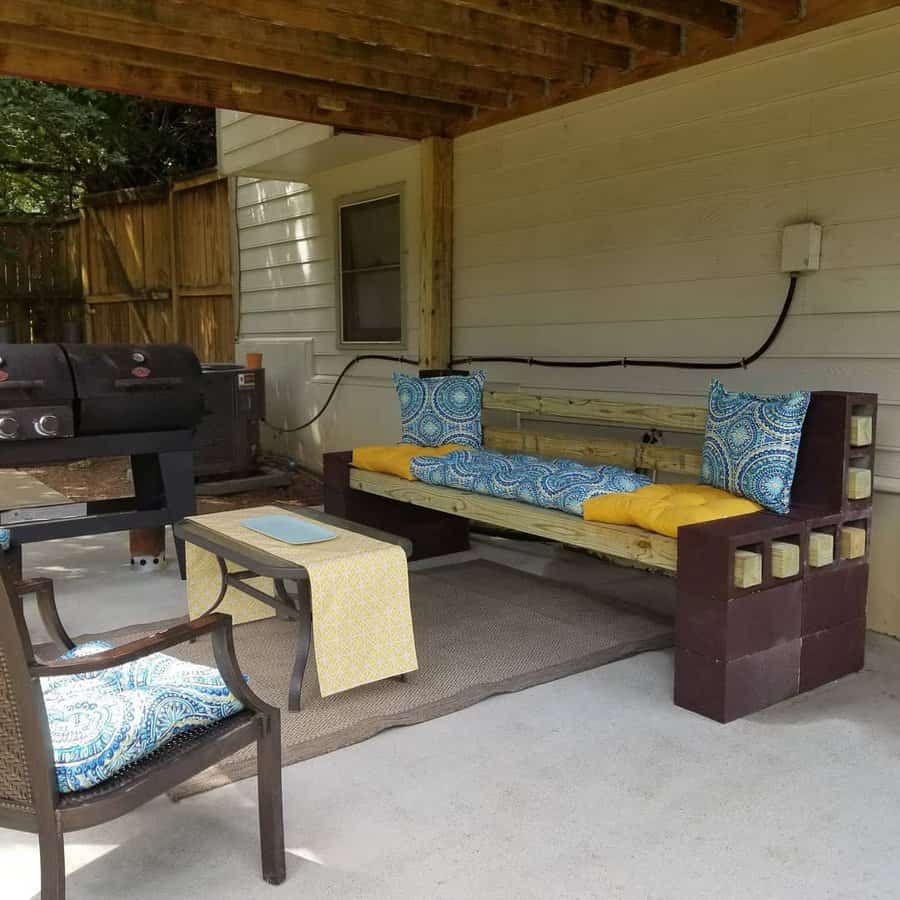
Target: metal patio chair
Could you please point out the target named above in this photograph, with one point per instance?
(29, 798)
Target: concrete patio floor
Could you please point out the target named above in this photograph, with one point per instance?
(594, 786)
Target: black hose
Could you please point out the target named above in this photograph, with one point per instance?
(337, 382)
(649, 363)
(570, 364)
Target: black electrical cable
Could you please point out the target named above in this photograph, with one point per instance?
(570, 364)
(337, 382)
(649, 363)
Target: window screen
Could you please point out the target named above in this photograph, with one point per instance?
(371, 284)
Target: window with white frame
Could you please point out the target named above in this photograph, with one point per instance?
(370, 269)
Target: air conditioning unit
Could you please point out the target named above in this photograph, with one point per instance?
(227, 439)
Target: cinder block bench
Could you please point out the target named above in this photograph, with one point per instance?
(768, 605)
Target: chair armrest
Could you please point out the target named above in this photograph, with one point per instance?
(117, 656)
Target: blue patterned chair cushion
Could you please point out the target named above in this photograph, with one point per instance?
(438, 411)
(5, 538)
(103, 721)
(552, 483)
(752, 443)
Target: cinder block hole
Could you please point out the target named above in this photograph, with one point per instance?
(748, 566)
(862, 418)
(853, 539)
(821, 546)
(785, 556)
(859, 482)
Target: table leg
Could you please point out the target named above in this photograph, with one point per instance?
(303, 603)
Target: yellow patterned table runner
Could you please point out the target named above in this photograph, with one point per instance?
(362, 623)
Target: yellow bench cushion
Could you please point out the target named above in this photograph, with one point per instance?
(664, 508)
(395, 459)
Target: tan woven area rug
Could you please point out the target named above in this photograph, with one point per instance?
(481, 629)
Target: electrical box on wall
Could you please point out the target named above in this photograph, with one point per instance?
(801, 248)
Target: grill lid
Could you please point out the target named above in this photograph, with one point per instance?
(33, 375)
(134, 387)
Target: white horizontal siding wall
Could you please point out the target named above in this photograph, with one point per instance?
(646, 223)
(288, 304)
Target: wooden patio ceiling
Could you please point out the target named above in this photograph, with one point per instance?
(410, 68)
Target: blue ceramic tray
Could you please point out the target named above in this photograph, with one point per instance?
(289, 529)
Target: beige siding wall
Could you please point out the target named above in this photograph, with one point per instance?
(288, 303)
(647, 223)
(641, 223)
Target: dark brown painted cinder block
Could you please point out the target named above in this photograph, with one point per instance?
(706, 553)
(833, 653)
(834, 597)
(725, 690)
(739, 626)
(821, 476)
(432, 533)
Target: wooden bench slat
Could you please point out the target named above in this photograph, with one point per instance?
(690, 419)
(620, 541)
(630, 454)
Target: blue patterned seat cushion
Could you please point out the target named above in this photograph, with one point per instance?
(438, 411)
(103, 721)
(752, 443)
(552, 483)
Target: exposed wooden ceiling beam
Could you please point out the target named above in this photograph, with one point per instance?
(76, 17)
(587, 19)
(411, 38)
(757, 31)
(111, 75)
(784, 9)
(221, 25)
(323, 98)
(711, 15)
(499, 22)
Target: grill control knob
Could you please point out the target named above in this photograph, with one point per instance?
(9, 428)
(47, 426)
(139, 357)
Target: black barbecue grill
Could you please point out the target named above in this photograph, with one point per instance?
(63, 390)
(63, 402)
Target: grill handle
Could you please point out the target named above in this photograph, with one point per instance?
(32, 385)
(147, 382)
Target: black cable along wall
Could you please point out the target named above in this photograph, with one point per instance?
(742, 363)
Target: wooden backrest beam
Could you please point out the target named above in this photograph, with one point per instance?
(687, 419)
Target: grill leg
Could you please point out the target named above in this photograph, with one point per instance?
(166, 481)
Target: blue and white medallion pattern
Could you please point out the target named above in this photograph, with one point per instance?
(752, 443)
(561, 484)
(438, 411)
(103, 721)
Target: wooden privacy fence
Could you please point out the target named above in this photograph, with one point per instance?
(40, 279)
(156, 266)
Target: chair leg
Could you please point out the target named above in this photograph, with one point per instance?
(53, 864)
(271, 814)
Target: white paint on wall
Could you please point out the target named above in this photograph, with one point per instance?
(287, 234)
(644, 222)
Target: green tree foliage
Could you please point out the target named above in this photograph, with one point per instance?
(58, 142)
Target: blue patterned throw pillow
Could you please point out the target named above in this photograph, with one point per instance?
(752, 443)
(103, 721)
(442, 410)
(562, 484)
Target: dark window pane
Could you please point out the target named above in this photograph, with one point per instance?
(370, 234)
(373, 306)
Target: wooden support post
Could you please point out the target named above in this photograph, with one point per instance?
(435, 304)
(821, 549)
(785, 559)
(860, 431)
(747, 568)
(173, 269)
(859, 483)
(853, 542)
